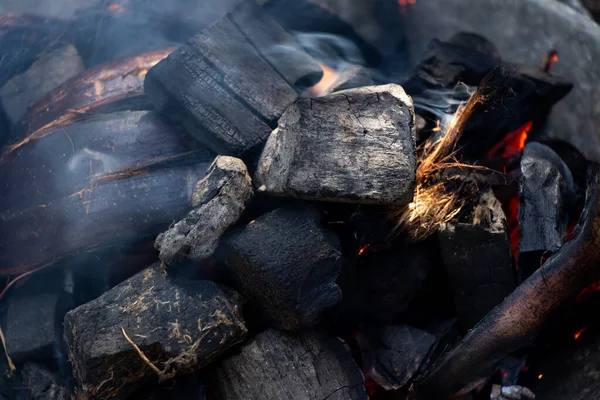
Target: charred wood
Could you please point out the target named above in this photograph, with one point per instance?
(478, 259)
(355, 146)
(112, 179)
(188, 387)
(515, 322)
(90, 92)
(276, 365)
(219, 199)
(149, 325)
(547, 189)
(393, 355)
(221, 88)
(286, 264)
(38, 383)
(49, 71)
(276, 45)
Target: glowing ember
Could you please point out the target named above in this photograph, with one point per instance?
(579, 332)
(589, 291)
(363, 249)
(322, 87)
(438, 126)
(404, 3)
(512, 143)
(540, 376)
(115, 7)
(550, 60)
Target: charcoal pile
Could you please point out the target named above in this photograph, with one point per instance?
(234, 207)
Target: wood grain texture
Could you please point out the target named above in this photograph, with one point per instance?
(355, 146)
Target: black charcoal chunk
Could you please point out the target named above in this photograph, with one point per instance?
(286, 264)
(355, 146)
(393, 355)
(41, 384)
(276, 365)
(477, 256)
(180, 326)
(219, 199)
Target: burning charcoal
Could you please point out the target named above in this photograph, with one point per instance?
(354, 146)
(41, 384)
(220, 86)
(394, 354)
(109, 179)
(93, 91)
(276, 365)
(220, 198)
(546, 189)
(477, 256)
(151, 324)
(287, 264)
(45, 74)
(30, 326)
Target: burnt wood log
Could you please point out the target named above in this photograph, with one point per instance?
(354, 146)
(478, 259)
(517, 321)
(220, 86)
(276, 365)
(393, 355)
(179, 326)
(546, 189)
(188, 387)
(111, 179)
(219, 199)
(45, 74)
(286, 264)
(93, 90)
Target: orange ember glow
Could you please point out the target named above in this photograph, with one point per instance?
(512, 143)
(363, 249)
(437, 126)
(589, 291)
(115, 7)
(322, 87)
(540, 376)
(404, 3)
(579, 332)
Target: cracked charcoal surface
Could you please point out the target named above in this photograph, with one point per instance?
(179, 325)
(286, 264)
(219, 200)
(396, 353)
(478, 260)
(356, 146)
(302, 367)
(221, 88)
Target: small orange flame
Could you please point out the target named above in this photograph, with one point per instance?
(512, 143)
(540, 376)
(322, 87)
(437, 126)
(579, 332)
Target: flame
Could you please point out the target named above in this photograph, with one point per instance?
(579, 332)
(330, 76)
(512, 143)
(549, 60)
(438, 126)
(540, 376)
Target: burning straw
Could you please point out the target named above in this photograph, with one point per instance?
(437, 200)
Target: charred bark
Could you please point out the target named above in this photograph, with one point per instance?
(109, 180)
(93, 91)
(515, 322)
(151, 324)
